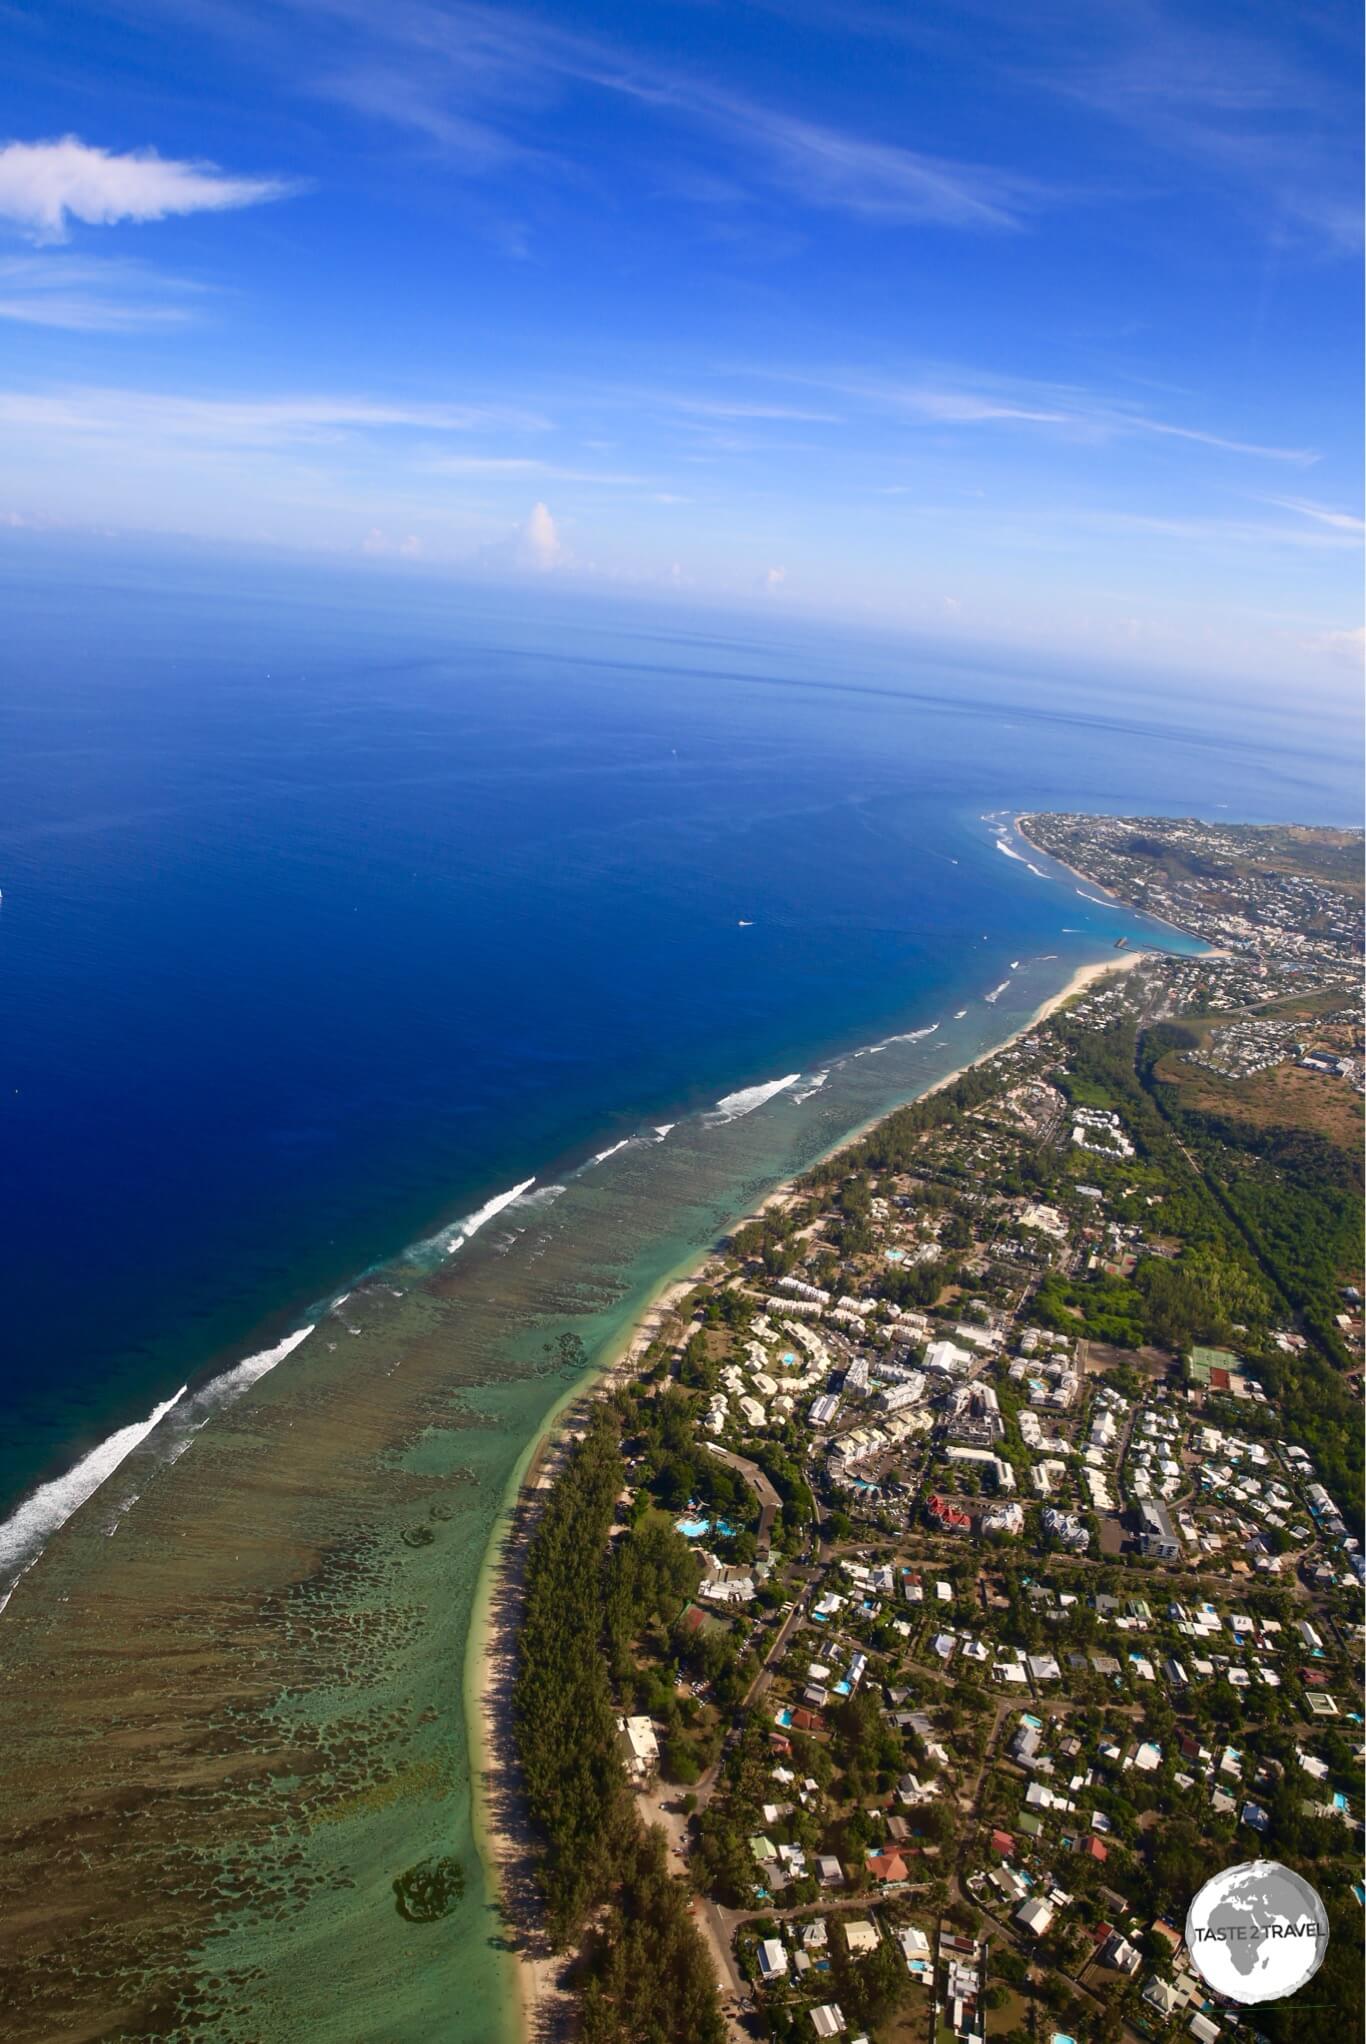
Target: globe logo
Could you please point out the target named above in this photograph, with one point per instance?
(1256, 1932)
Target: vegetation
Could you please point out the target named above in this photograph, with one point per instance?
(430, 1890)
(648, 1979)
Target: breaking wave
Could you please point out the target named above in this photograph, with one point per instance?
(603, 1155)
(732, 1105)
(31, 1525)
(813, 1085)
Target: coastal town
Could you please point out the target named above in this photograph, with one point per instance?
(982, 1564)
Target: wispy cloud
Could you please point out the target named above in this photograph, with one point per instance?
(830, 168)
(1321, 514)
(476, 81)
(743, 408)
(965, 398)
(240, 422)
(513, 467)
(92, 295)
(1239, 105)
(44, 186)
(1213, 532)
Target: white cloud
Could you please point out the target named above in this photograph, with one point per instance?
(157, 416)
(1348, 645)
(876, 180)
(773, 579)
(497, 466)
(963, 397)
(377, 541)
(44, 186)
(91, 295)
(1321, 514)
(476, 82)
(540, 544)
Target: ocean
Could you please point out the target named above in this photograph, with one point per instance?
(333, 908)
(504, 952)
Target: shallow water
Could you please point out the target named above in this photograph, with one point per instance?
(234, 1680)
(407, 935)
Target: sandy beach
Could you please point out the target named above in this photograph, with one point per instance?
(541, 2008)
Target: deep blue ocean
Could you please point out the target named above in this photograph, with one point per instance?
(334, 903)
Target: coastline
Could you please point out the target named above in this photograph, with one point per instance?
(538, 2005)
(1150, 915)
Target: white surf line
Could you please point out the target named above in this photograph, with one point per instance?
(732, 1105)
(462, 1231)
(603, 1155)
(26, 1532)
(813, 1087)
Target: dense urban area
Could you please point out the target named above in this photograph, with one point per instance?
(971, 1564)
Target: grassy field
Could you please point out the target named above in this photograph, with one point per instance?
(1283, 1097)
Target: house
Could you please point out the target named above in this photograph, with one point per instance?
(1120, 1954)
(861, 1936)
(772, 1957)
(1002, 1842)
(1035, 1916)
(830, 1871)
(828, 2020)
(1025, 1742)
(1200, 2026)
(1094, 1849)
(1160, 1995)
(888, 1867)
(639, 1748)
(1156, 1534)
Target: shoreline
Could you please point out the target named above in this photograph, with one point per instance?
(1150, 915)
(538, 2006)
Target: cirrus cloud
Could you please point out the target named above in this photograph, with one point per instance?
(44, 186)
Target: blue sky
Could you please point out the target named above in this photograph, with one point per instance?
(1030, 325)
